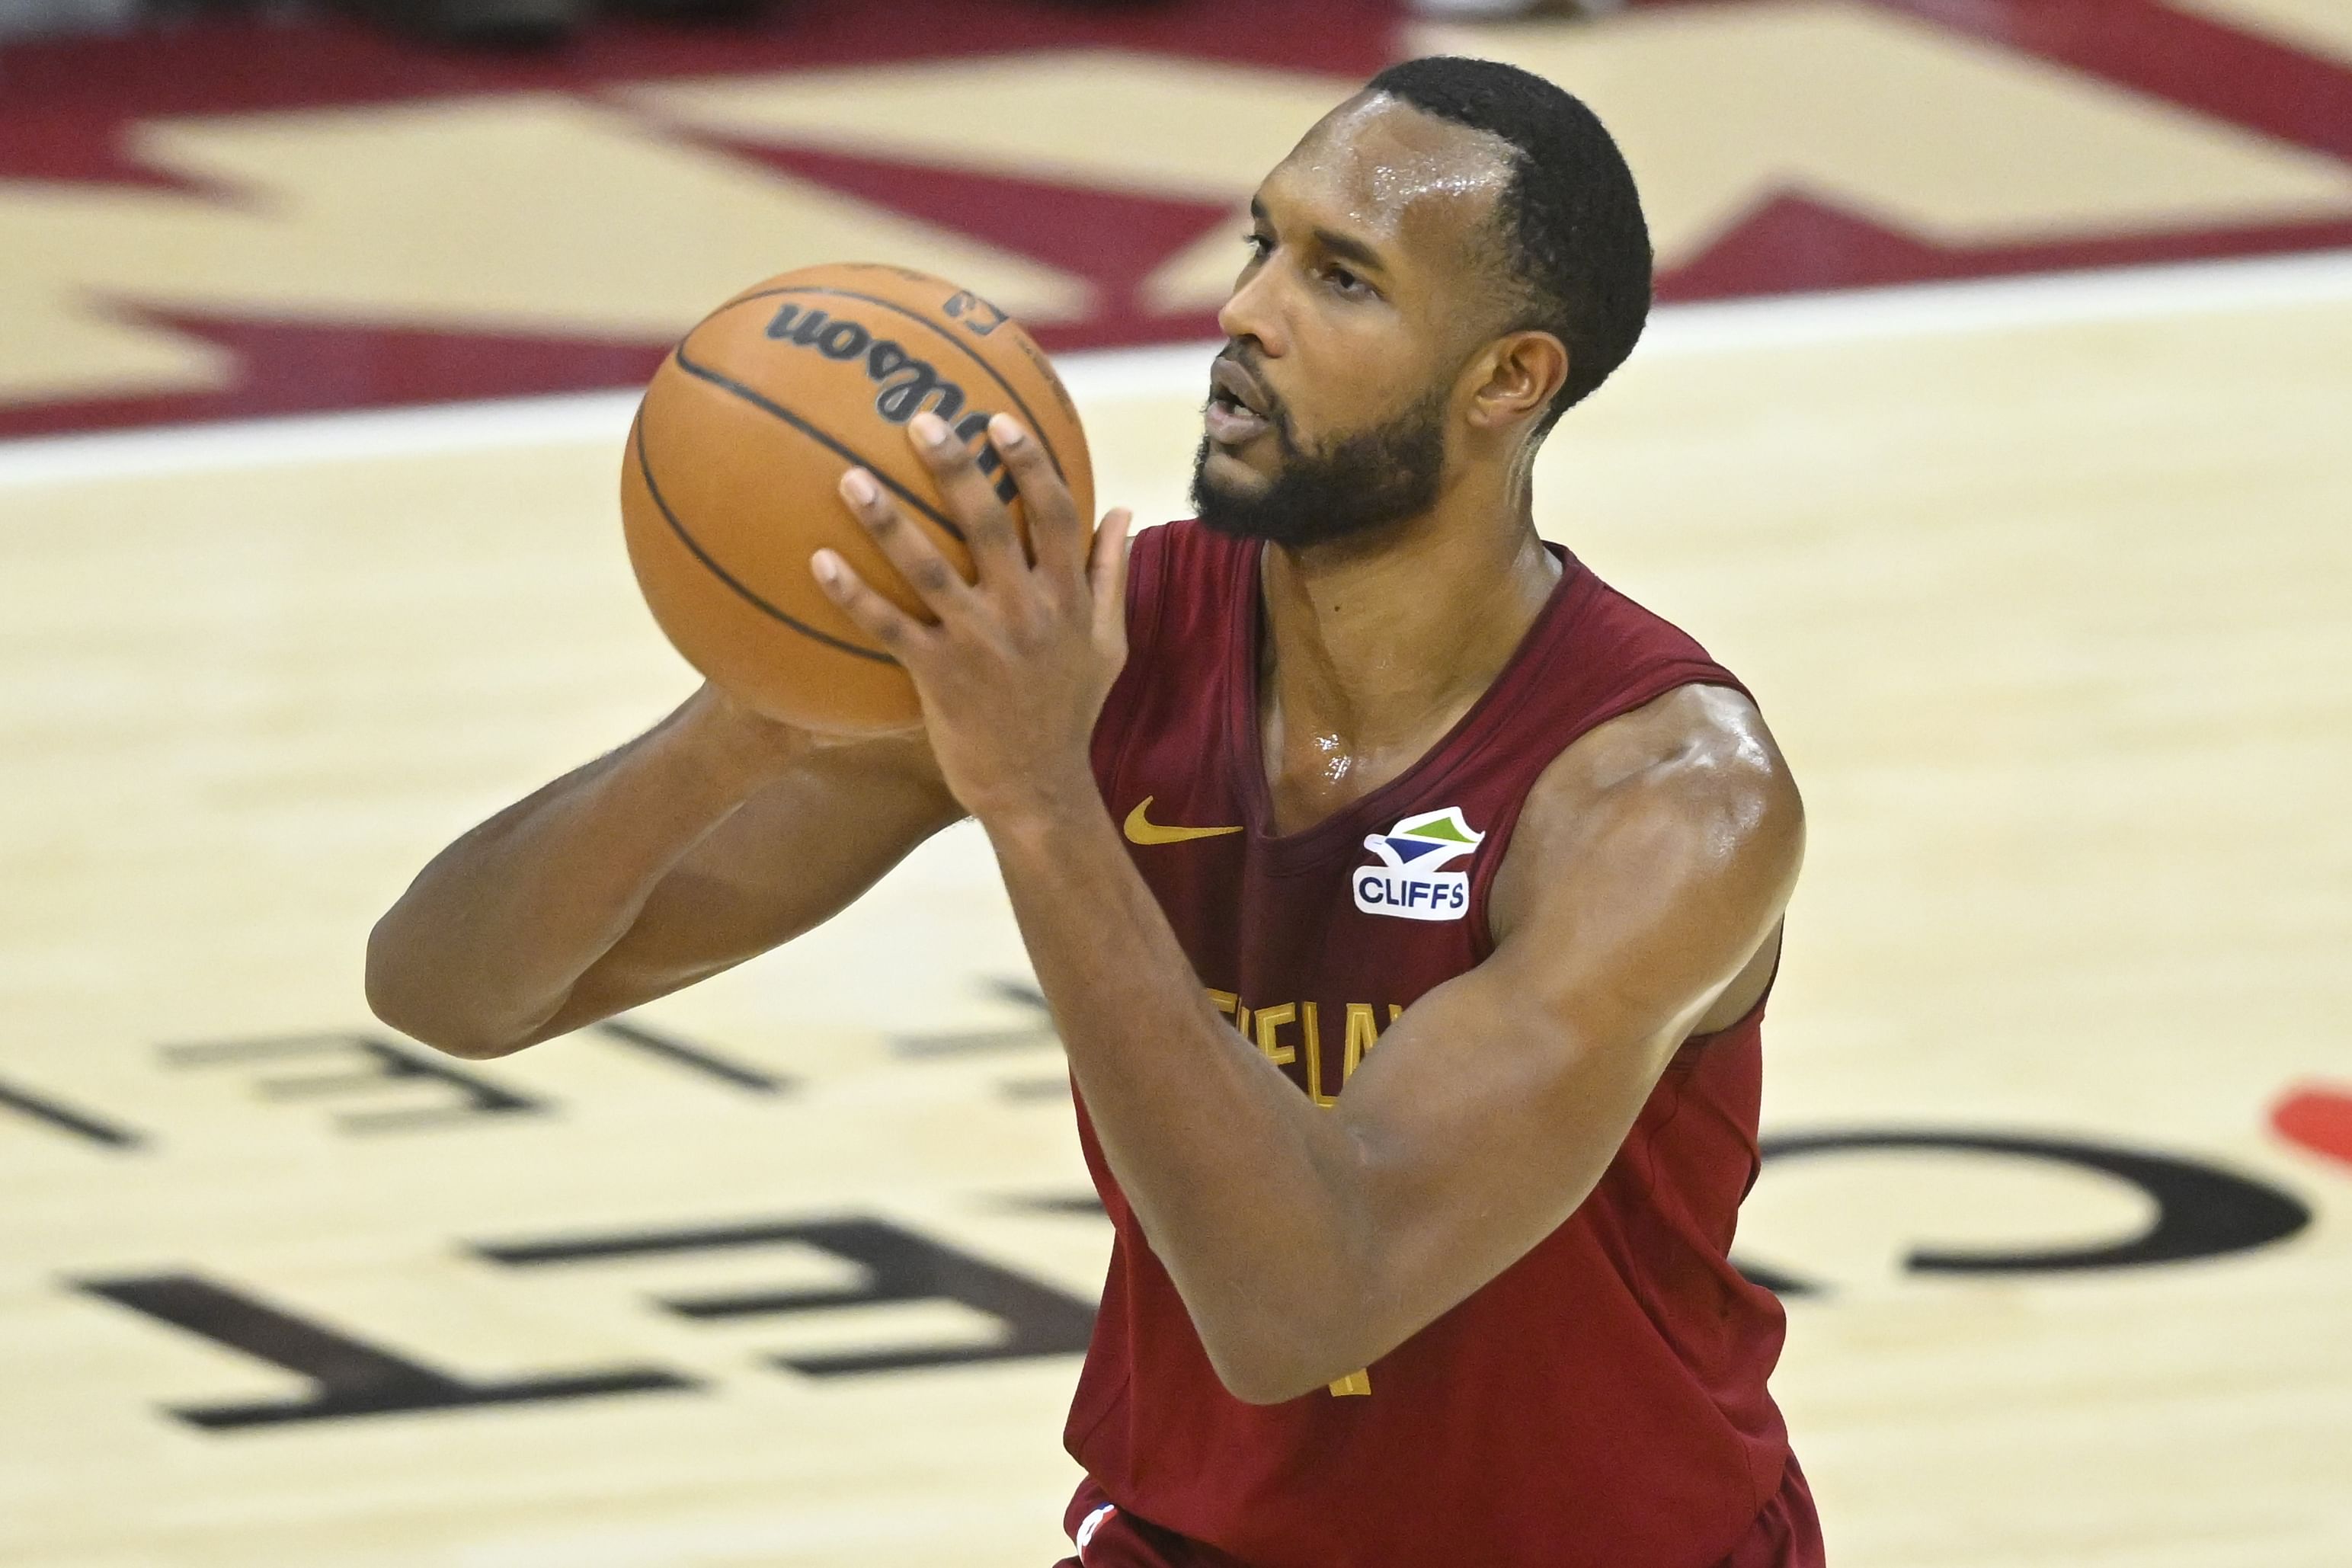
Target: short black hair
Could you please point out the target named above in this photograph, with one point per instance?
(1579, 248)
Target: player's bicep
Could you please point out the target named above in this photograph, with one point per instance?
(1494, 1104)
(787, 860)
(1647, 873)
(800, 851)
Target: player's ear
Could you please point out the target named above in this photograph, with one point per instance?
(1517, 376)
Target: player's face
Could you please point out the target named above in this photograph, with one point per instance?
(1355, 314)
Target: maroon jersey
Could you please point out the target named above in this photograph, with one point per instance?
(1602, 1403)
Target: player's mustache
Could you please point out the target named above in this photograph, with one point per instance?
(1252, 365)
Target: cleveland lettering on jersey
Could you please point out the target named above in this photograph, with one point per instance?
(1266, 1028)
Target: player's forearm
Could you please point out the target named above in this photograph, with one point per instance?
(1246, 1190)
(487, 944)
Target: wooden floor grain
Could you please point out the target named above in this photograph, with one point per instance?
(2053, 618)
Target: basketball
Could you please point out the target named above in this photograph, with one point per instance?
(729, 482)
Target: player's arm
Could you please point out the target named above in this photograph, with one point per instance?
(708, 840)
(1648, 875)
(1649, 869)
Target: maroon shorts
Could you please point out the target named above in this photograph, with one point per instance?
(1786, 1534)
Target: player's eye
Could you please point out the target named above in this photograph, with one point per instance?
(1259, 245)
(1346, 282)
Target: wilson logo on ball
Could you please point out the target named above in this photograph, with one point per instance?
(907, 381)
(729, 477)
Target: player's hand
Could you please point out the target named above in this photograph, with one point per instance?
(1013, 672)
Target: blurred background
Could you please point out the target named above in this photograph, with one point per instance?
(1992, 425)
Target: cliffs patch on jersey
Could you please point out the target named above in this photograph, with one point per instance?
(1409, 881)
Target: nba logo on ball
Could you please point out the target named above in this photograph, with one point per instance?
(1409, 882)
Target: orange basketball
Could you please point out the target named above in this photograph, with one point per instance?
(730, 480)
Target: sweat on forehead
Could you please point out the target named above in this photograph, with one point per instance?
(1389, 161)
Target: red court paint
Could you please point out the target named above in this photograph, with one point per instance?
(2320, 1119)
(72, 109)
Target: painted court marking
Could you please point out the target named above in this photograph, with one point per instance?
(1175, 370)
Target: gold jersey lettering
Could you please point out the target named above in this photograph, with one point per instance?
(1270, 1021)
(1363, 1034)
(1263, 1027)
(1310, 1024)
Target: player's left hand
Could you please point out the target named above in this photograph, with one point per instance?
(1013, 672)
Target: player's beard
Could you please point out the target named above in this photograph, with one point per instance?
(1363, 482)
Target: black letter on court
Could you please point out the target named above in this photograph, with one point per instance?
(353, 1378)
(2201, 1210)
(694, 1058)
(900, 1265)
(385, 1062)
(80, 1123)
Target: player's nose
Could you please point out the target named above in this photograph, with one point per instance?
(1252, 315)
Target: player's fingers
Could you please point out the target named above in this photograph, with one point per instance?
(1057, 532)
(880, 619)
(1107, 575)
(972, 498)
(937, 583)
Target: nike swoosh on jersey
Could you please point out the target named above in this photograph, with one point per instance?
(1141, 829)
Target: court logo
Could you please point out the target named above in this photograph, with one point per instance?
(1409, 881)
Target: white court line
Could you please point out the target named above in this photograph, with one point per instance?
(1994, 304)
(1180, 370)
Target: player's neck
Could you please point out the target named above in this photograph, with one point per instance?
(1377, 647)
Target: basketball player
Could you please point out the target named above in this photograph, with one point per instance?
(1406, 897)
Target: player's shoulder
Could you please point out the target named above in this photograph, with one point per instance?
(1697, 730)
(1698, 758)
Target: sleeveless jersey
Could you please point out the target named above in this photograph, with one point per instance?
(1602, 1403)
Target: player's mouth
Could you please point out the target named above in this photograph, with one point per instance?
(1237, 404)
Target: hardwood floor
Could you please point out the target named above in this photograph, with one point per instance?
(2049, 596)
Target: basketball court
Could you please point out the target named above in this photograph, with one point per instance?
(2031, 538)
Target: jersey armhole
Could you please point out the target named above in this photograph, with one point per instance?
(1146, 579)
(1755, 1012)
